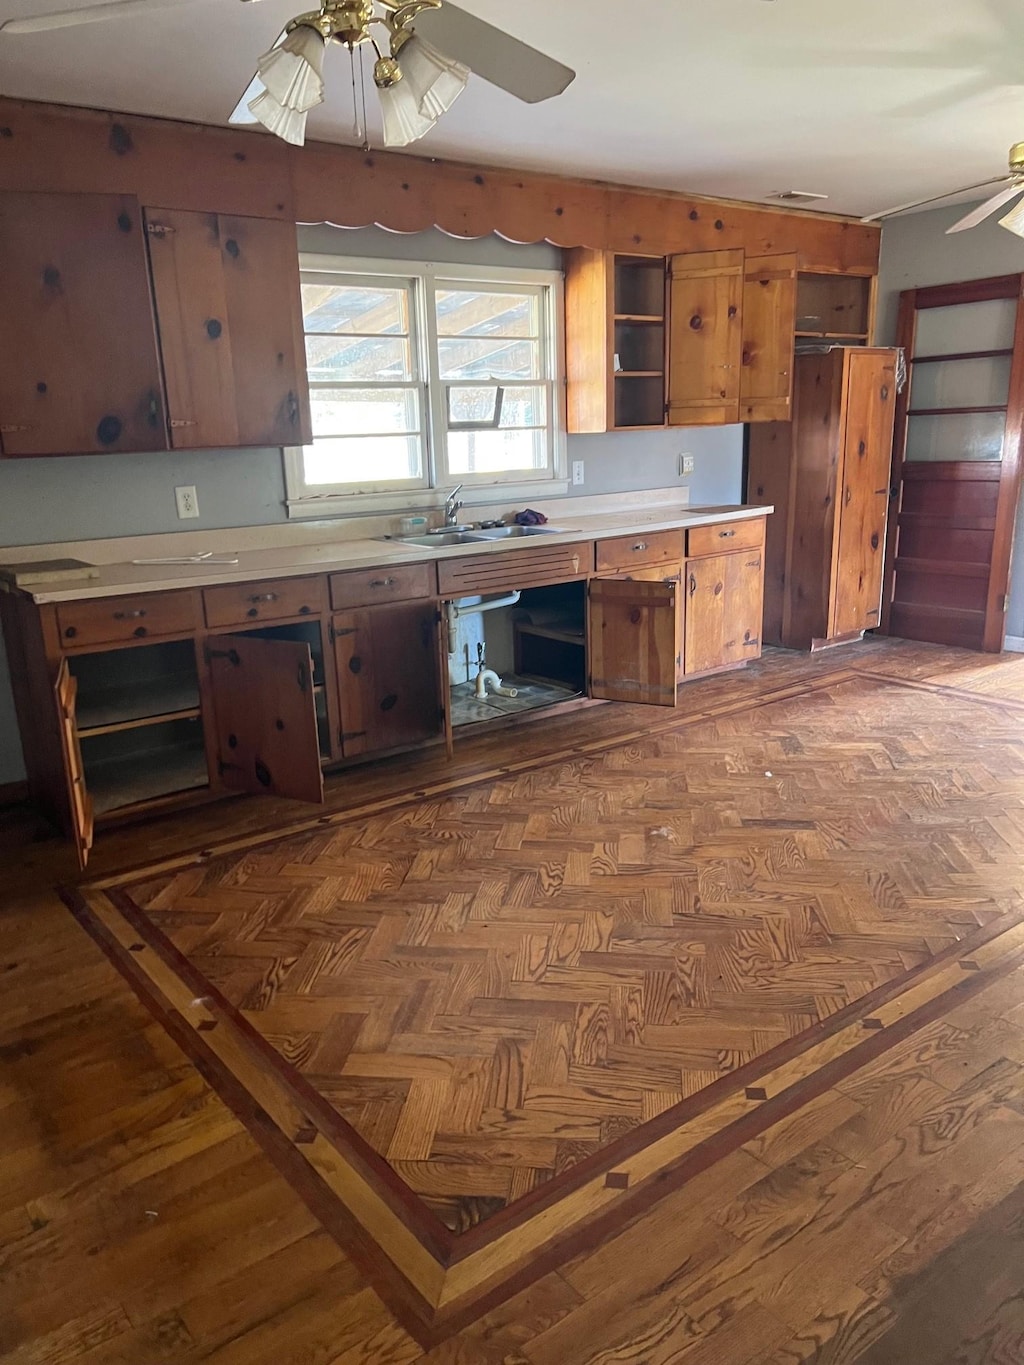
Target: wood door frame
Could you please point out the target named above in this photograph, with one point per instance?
(913, 301)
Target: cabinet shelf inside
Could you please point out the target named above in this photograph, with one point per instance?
(124, 769)
(128, 707)
(639, 374)
(641, 319)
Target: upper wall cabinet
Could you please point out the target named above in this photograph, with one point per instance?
(731, 336)
(701, 338)
(230, 326)
(79, 371)
(86, 365)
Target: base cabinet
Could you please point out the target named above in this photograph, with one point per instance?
(133, 703)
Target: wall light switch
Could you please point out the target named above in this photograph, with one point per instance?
(577, 472)
(188, 502)
(685, 465)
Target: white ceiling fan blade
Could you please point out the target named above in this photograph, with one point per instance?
(935, 199)
(87, 14)
(989, 207)
(494, 55)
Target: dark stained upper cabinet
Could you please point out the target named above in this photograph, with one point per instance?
(79, 370)
(230, 323)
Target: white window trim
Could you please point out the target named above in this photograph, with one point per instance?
(476, 491)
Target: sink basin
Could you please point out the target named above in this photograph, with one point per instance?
(515, 532)
(441, 540)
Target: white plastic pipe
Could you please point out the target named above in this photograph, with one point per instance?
(488, 675)
(455, 612)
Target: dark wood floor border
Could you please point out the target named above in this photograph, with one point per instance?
(467, 780)
(413, 1312)
(946, 690)
(449, 1247)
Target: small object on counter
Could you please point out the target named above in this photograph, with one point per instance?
(207, 557)
(530, 518)
(412, 526)
(47, 571)
(490, 525)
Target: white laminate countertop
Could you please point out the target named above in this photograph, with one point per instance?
(335, 552)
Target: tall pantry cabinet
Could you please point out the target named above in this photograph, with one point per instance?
(827, 472)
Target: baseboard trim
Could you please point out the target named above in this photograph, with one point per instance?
(1014, 643)
(16, 793)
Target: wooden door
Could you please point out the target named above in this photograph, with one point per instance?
(229, 316)
(744, 607)
(724, 597)
(79, 371)
(664, 575)
(956, 463)
(769, 326)
(705, 338)
(633, 641)
(869, 411)
(265, 725)
(81, 820)
(387, 677)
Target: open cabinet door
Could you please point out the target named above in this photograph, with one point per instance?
(80, 809)
(265, 717)
(634, 641)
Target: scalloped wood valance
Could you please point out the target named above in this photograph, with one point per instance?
(182, 165)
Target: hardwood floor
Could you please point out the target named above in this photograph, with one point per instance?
(880, 1220)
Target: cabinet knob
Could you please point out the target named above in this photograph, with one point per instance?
(640, 545)
(726, 535)
(264, 597)
(383, 582)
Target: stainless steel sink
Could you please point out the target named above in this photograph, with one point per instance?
(441, 539)
(515, 532)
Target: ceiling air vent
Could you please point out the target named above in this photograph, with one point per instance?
(796, 196)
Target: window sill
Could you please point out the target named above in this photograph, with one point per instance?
(422, 500)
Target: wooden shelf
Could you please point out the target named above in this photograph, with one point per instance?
(641, 319)
(834, 336)
(567, 635)
(639, 374)
(131, 706)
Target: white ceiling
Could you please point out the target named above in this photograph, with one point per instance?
(874, 103)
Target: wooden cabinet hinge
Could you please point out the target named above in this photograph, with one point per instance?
(345, 735)
(182, 422)
(336, 632)
(15, 426)
(160, 229)
(1003, 602)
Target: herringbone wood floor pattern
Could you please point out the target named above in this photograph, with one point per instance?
(492, 986)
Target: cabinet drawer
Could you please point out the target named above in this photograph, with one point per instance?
(732, 535)
(643, 548)
(114, 620)
(235, 605)
(366, 587)
(532, 568)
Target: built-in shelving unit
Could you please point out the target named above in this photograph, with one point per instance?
(835, 308)
(638, 360)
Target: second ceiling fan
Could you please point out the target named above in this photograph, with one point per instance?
(1013, 186)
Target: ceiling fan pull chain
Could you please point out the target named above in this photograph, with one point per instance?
(362, 88)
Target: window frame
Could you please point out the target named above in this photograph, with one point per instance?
(426, 278)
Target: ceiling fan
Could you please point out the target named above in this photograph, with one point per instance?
(416, 81)
(1013, 185)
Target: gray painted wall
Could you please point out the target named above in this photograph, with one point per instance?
(916, 252)
(92, 497)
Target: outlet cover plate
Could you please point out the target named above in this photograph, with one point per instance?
(187, 501)
(577, 472)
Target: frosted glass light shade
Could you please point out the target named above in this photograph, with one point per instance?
(436, 81)
(288, 124)
(403, 122)
(292, 72)
(1014, 220)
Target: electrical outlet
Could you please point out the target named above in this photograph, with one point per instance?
(577, 472)
(685, 465)
(188, 502)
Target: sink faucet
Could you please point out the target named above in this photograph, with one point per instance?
(452, 506)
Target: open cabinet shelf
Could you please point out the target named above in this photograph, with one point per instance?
(126, 768)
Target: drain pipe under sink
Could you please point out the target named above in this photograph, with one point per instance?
(454, 612)
(488, 675)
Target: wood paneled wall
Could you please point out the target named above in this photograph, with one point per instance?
(51, 147)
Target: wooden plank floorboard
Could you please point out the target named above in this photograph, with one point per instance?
(139, 1222)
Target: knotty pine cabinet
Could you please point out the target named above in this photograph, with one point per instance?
(698, 338)
(123, 329)
(136, 703)
(827, 472)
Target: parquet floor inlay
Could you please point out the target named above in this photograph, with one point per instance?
(488, 1016)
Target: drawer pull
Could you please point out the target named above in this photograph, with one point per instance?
(693, 585)
(139, 632)
(264, 597)
(640, 545)
(128, 615)
(726, 535)
(383, 582)
(71, 632)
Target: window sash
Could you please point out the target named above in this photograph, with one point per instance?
(423, 283)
